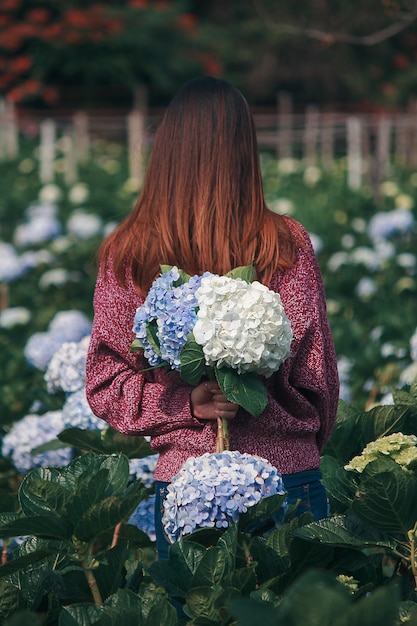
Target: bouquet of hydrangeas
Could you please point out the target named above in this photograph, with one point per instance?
(235, 329)
(229, 325)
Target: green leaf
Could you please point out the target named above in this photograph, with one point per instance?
(136, 537)
(111, 573)
(10, 599)
(84, 614)
(315, 599)
(250, 611)
(176, 573)
(201, 603)
(262, 510)
(340, 484)
(107, 513)
(152, 336)
(381, 421)
(161, 612)
(136, 346)
(305, 555)
(336, 531)
(380, 608)
(211, 568)
(41, 497)
(245, 272)
(343, 442)
(247, 390)
(24, 617)
(280, 539)
(90, 490)
(192, 361)
(268, 562)
(387, 497)
(8, 501)
(42, 526)
(23, 562)
(107, 441)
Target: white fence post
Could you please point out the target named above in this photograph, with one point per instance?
(47, 150)
(354, 152)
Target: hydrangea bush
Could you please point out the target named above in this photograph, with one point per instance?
(213, 489)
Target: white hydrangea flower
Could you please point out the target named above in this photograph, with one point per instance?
(241, 325)
(50, 193)
(84, 225)
(78, 193)
(14, 316)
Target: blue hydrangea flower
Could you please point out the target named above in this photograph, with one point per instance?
(213, 489)
(173, 308)
(144, 469)
(384, 224)
(76, 412)
(144, 517)
(31, 432)
(66, 326)
(66, 369)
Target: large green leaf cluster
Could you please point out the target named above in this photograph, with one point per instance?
(357, 566)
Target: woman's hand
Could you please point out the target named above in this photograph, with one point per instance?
(209, 403)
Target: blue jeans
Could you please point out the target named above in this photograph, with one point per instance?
(305, 487)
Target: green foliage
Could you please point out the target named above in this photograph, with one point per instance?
(357, 566)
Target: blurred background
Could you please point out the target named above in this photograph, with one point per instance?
(343, 56)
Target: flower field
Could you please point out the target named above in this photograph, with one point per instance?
(366, 244)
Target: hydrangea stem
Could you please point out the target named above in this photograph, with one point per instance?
(222, 439)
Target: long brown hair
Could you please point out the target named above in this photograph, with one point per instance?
(202, 206)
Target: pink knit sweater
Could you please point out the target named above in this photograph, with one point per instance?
(303, 394)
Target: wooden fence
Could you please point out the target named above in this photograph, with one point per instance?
(371, 143)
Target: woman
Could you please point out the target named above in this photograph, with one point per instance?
(202, 208)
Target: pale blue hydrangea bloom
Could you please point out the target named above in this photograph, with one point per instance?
(11, 266)
(83, 225)
(213, 489)
(66, 326)
(76, 413)
(174, 310)
(40, 226)
(385, 224)
(31, 432)
(144, 469)
(66, 369)
(40, 348)
(72, 325)
(144, 517)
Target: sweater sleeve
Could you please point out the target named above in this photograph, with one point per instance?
(304, 392)
(119, 391)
